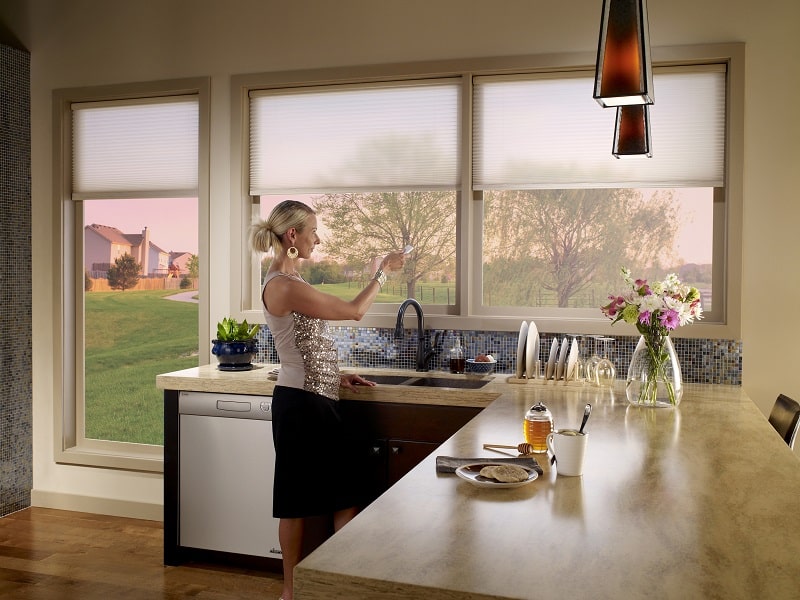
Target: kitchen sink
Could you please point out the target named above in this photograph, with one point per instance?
(388, 379)
(450, 382)
(467, 384)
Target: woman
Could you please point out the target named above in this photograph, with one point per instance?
(314, 455)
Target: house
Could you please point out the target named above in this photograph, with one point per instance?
(170, 40)
(105, 244)
(179, 262)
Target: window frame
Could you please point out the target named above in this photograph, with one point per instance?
(467, 313)
(70, 445)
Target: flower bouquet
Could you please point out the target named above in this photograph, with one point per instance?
(654, 377)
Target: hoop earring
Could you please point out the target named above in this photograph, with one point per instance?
(292, 252)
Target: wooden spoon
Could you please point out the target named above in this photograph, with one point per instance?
(523, 448)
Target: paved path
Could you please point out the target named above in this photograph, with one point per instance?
(185, 296)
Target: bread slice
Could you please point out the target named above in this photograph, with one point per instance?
(505, 473)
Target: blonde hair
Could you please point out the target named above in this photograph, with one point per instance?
(266, 235)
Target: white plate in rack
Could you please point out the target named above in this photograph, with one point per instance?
(572, 360)
(550, 370)
(523, 335)
(532, 352)
(562, 360)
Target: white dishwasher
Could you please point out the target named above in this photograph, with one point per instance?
(227, 463)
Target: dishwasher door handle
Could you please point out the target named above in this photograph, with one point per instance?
(233, 406)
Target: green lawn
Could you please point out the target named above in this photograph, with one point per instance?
(131, 337)
(428, 293)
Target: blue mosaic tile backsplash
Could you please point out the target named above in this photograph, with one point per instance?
(16, 437)
(702, 360)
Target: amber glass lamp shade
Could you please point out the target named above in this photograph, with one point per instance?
(632, 132)
(624, 73)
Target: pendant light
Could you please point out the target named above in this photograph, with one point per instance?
(632, 132)
(624, 73)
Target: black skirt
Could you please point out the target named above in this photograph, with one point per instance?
(319, 466)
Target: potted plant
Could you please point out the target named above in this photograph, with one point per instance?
(235, 344)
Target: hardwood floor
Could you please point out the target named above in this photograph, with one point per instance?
(61, 555)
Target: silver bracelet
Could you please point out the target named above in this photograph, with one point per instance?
(380, 277)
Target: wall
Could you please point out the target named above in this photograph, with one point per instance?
(16, 436)
(93, 42)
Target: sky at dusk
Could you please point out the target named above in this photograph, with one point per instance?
(172, 222)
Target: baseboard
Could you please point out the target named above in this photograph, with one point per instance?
(100, 506)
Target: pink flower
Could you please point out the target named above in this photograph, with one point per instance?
(612, 307)
(669, 319)
(644, 317)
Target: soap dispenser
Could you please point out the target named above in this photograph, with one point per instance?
(457, 361)
(537, 425)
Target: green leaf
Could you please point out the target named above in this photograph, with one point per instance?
(230, 330)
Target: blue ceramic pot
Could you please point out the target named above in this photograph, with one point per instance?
(234, 354)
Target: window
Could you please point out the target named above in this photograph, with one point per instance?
(542, 214)
(132, 209)
(379, 163)
(561, 215)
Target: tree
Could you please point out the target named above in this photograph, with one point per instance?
(369, 225)
(124, 274)
(324, 271)
(564, 240)
(193, 266)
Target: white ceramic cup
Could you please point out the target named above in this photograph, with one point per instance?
(569, 448)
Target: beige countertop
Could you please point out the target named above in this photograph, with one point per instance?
(694, 502)
(698, 502)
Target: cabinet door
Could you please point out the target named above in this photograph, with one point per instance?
(404, 455)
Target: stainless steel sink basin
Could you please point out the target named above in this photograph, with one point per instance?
(467, 384)
(388, 379)
(450, 382)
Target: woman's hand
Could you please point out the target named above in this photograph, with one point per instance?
(394, 261)
(352, 381)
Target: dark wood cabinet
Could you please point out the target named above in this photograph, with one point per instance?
(397, 437)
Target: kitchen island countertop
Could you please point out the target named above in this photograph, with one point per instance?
(699, 501)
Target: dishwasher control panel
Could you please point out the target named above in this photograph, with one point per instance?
(234, 406)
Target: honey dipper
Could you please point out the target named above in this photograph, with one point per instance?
(523, 448)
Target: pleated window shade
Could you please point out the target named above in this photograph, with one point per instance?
(135, 149)
(355, 138)
(549, 132)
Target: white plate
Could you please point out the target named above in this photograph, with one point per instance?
(551, 362)
(472, 473)
(572, 360)
(523, 334)
(532, 351)
(562, 360)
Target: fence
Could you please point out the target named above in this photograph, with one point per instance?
(146, 283)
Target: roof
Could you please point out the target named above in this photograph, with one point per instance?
(115, 236)
(112, 234)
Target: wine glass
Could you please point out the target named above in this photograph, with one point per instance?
(605, 372)
(580, 365)
(593, 360)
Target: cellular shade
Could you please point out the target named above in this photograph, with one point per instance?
(355, 138)
(136, 148)
(548, 132)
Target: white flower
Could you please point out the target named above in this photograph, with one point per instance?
(650, 303)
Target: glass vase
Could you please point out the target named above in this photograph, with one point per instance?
(654, 376)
